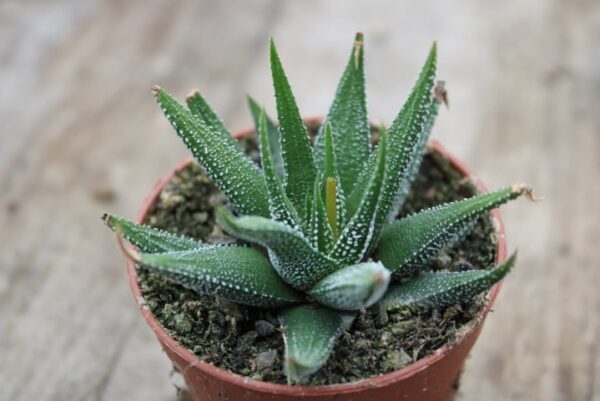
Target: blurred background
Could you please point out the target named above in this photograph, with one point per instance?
(81, 135)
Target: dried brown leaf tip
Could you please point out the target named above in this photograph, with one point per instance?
(440, 93)
(358, 46)
(156, 90)
(525, 189)
(192, 93)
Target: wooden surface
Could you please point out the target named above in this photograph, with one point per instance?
(81, 135)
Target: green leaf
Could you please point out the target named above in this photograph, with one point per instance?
(444, 289)
(238, 274)
(319, 231)
(200, 108)
(309, 334)
(404, 135)
(295, 143)
(149, 239)
(294, 259)
(354, 287)
(358, 234)
(273, 134)
(280, 206)
(331, 172)
(410, 242)
(417, 155)
(222, 158)
(348, 117)
(331, 206)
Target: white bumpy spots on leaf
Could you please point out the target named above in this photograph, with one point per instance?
(403, 142)
(354, 287)
(273, 134)
(417, 155)
(410, 242)
(239, 274)
(200, 108)
(294, 259)
(404, 138)
(295, 143)
(226, 164)
(348, 118)
(149, 239)
(356, 238)
(281, 208)
(436, 290)
(309, 333)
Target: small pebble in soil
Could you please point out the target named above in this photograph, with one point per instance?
(264, 328)
(462, 265)
(396, 360)
(266, 360)
(442, 261)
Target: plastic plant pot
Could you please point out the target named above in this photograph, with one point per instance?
(432, 378)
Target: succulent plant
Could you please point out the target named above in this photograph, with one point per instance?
(325, 213)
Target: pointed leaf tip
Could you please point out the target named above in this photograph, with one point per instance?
(437, 289)
(149, 239)
(520, 188)
(191, 94)
(156, 90)
(272, 46)
(296, 148)
(349, 123)
(405, 135)
(220, 156)
(309, 334)
(408, 243)
(358, 49)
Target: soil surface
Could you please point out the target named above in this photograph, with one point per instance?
(247, 340)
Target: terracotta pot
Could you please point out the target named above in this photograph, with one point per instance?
(433, 378)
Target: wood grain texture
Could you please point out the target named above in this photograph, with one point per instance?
(81, 135)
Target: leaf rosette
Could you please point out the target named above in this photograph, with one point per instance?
(323, 213)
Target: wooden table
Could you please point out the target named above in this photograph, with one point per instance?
(81, 135)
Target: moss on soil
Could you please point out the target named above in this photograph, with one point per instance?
(246, 340)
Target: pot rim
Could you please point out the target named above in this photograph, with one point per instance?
(274, 388)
